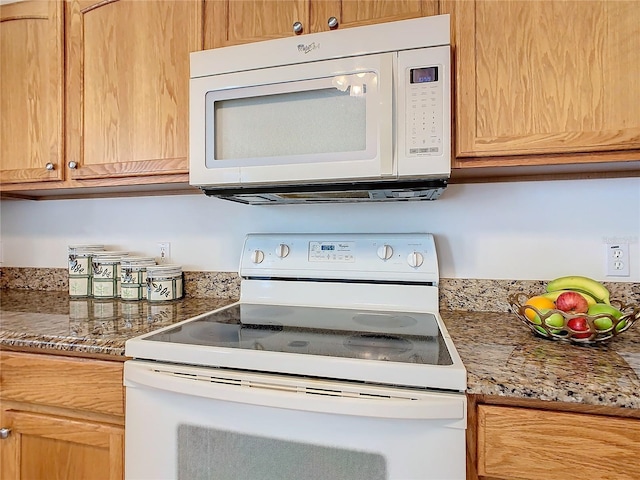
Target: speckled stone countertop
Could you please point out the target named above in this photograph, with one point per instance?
(55, 323)
(502, 356)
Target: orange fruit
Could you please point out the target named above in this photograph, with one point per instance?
(540, 303)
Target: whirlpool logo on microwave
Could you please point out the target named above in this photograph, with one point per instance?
(308, 48)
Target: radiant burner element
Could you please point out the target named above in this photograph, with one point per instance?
(378, 347)
(384, 320)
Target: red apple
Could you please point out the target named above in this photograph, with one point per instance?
(572, 302)
(579, 324)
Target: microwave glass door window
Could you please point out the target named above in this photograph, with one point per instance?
(314, 121)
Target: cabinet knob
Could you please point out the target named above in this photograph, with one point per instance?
(297, 28)
(332, 22)
(4, 433)
(50, 166)
(73, 165)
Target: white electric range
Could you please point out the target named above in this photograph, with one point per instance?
(335, 363)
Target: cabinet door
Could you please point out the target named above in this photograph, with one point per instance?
(78, 384)
(128, 86)
(232, 22)
(31, 83)
(47, 446)
(355, 13)
(534, 444)
(546, 77)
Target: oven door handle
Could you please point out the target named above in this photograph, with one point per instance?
(254, 390)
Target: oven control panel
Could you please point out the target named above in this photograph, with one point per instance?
(373, 257)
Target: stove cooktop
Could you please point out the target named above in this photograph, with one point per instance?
(356, 334)
(354, 307)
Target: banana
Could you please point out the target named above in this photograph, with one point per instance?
(580, 284)
(553, 296)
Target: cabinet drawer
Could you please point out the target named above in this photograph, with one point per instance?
(76, 383)
(536, 444)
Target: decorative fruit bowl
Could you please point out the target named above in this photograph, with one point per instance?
(574, 309)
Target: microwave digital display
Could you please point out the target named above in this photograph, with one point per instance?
(424, 75)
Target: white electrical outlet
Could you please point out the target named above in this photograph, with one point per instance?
(164, 252)
(618, 259)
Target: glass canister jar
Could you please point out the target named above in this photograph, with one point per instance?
(133, 278)
(106, 273)
(164, 282)
(80, 269)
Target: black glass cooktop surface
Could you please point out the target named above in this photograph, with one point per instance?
(346, 333)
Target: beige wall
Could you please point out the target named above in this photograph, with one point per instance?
(522, 230)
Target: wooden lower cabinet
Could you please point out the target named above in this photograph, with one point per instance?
(41, 446)
(61, 418)
(536, 444)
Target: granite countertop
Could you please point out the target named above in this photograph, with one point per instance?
(502, 356)
(55, 323)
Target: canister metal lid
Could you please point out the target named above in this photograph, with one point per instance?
(109, 256)
(85, 248)
(163, 271)
(133, 261)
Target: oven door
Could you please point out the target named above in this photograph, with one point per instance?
(191, 423)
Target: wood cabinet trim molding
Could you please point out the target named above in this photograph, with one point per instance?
(15, 11)
(92, 433)
(137, 169)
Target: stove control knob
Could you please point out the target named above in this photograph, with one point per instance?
(257, 256)
(282, 250)
(415, 259)
(385, 252)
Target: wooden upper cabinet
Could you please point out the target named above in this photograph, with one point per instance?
(350, 13)
(128, 86)
(547, 77)
(232, 22)
(31, 91)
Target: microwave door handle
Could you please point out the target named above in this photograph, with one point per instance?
(431, 407)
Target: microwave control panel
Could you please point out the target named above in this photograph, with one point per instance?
(424, 109)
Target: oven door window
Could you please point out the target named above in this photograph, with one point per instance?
(232, 455)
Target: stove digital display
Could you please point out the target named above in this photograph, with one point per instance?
(333, 252)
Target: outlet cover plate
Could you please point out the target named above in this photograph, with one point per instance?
(618, 260)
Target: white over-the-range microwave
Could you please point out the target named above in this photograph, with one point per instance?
(361, 114)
